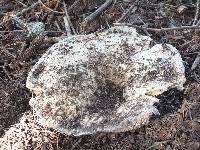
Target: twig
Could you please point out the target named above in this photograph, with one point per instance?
(40, 2)
(125, 14)
(55, 11)
(57, 25)
(20, 31)
(102, 8)
(126, 24)
(197, 13)
(23, 11)
(196, 62)
(198, 23)
(17, 1)
(73, 5)
(67, 26)
(158, 143)
(7, 52)
(27, 9)
(67, 21)
(6, 72)
(76, 144)
(156, 29)
(14, 31)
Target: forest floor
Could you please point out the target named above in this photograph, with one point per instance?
(178, 126)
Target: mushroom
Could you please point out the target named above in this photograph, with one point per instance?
(103, 82)
(26, 134)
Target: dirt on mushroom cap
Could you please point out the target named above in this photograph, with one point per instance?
(76, 70)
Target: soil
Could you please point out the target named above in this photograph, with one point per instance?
(178, 126)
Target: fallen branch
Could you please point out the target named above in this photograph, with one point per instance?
(156, 29)
(101, 9)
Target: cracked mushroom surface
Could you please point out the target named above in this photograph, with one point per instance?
(103, 82)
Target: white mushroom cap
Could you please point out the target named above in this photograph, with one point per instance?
(27, 134)
(103, 82)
